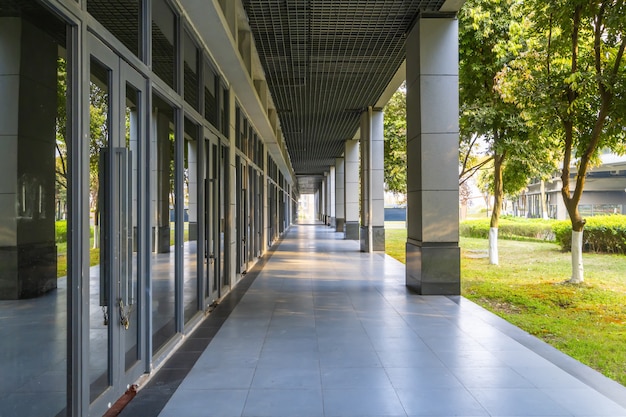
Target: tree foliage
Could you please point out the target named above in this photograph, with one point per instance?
(491, 36)
(571, 83)
(395, 142)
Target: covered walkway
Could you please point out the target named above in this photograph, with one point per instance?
(322, 329)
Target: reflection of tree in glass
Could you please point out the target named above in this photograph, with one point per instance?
(99, 134)
(61, 146)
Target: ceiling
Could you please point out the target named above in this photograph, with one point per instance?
(325, 61)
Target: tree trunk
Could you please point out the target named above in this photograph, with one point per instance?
(498, 195)
(577, 258)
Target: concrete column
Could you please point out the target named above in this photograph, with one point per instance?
(340, 207)
(323, 197)
(28, 107)
(351, 189)
(318, 204)
(332, 196)
(432, 249)
(372, 181)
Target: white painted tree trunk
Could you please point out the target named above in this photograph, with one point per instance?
(96, 237)
(493, 245)
(577, 258)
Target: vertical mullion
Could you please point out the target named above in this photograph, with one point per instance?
(179, 209)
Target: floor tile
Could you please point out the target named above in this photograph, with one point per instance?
(440, 402)
(349, 359)
(218, 378)
(361, 403)
(374, 378)
(213, 403)
(422, 378)
(284, 403)
(518, 402)
(287, 378)
(490, 377)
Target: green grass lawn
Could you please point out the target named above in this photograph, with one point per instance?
(588, 321)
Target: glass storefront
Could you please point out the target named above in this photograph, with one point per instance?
(116, 220)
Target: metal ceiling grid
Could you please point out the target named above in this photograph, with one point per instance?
(325, 62)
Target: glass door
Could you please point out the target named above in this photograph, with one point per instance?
(213, 215)
(117, 131)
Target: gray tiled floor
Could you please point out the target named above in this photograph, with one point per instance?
(325, 330)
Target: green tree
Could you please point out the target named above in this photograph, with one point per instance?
(571, 85)
(395, 142)
(490, 36)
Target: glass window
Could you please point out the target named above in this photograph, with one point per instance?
(225, 121)
(164, 191)
(210, 96)
(163, 41)
(122, 18)
(191, 71)
(190, 220)
(99, 197)
(238, 127)
(35, 210)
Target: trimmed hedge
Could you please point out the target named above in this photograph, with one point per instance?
(509, 228)
(602, 234)
(60, 235)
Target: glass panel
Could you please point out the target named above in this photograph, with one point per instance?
(210, 216)
(100, 275)
(163, 257)
(224, 108)
(163, 41)
(129, 294)
(34, 166)
(191, 71)
(122, 18)
(210, 102)
(238, 127)
(190, 246)
(223, 203)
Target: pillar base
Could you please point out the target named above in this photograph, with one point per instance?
(27, 270)
(378, 239)
(163, 239)
(351, 230)
(333, 222)
(339, 224)
(193, 231)
(433, 270)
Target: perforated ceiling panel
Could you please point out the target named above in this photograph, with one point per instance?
(325, 61)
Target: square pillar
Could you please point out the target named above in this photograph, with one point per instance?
(351, 189)
(28, 110)
(372, 181)
(331, 197)
(432, 249)
(340, 210)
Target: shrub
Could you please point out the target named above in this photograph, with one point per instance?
(509, 228)
(602, 234)
(60, 233)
